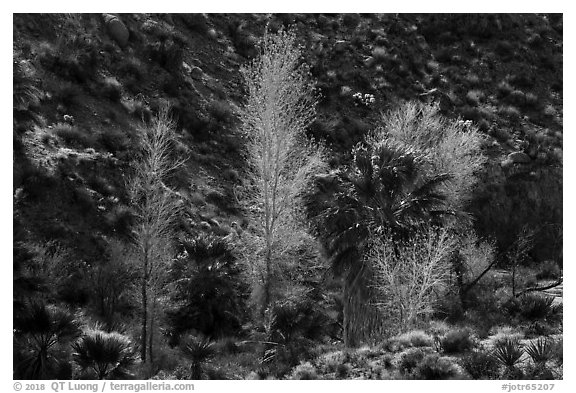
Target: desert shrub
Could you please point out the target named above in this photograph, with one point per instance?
(380, 54)
(410, 359)
(220, 110)
(415, 338)
(73, 136)
(548, 270)
(351, 20)
(102, 355)
(434, 366)
(474, 97)
(504, 89)
(114, 139)
(457, 341)
(198, 350)
(533, 307)
(67, 93)
(558, 351)
(26, 95)
(304, 371)
(40, 334)
(517, 98)
(195, 22)
(509, 111)
(480, 365)
(504, 49)
(168, 51)
(531, 100)
(110, 88)
(74, 57)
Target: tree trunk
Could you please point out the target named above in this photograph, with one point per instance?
(151, 334)
(362, 320)
(266, 295)
(144, 341)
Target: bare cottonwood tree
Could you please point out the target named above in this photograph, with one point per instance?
(409, 276)
(156, 209)
(280, 105)
(447, 146)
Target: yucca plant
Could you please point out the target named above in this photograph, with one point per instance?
(508, 352)
(107, 355)
(198, 350)
(38, 330)
(540, 350)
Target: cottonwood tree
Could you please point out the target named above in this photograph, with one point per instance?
(156, 208)
(445, 145)
(279, 107)
(411, 275)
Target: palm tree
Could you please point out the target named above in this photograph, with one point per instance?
(38, 331)
(107, 355)
(383, 191)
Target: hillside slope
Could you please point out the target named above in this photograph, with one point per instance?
(82, 87)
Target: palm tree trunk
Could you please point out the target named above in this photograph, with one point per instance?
(362, 320)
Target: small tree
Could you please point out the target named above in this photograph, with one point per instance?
(409, 276)
(280, 106)
(156, 208)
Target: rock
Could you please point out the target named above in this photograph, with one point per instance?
(212, 34)
(369, 62)
(196, 72)
(117, 30)
(345, 91)
(507, 163)
(340, 46)
(187, 68)
(519, 157)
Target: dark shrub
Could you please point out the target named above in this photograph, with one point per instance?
(110, 88)
(434, 367)
(68, 94)
(410, 359)
(533, 306)
(480, 365)
(73, 136)
(220, 111)
(114, 140)
(457, 341)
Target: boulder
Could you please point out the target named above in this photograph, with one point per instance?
(117, 30)
(519, 157)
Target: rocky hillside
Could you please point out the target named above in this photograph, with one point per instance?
(84, 83)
